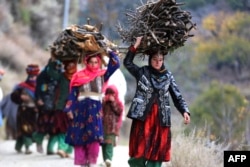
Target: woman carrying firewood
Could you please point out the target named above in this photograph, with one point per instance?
(83, 107)
(150, 136)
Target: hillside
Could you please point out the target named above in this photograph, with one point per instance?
(27, 28)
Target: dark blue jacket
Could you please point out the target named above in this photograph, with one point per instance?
(152, 89)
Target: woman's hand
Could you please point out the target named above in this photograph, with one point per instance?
(138, 41)
(108, 50)
(70, 115)
(40, 102)
(25, 97)
(109, 97)
(186, 118)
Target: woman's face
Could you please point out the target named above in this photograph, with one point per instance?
(157, 61)
(93, 62)
(71, 68)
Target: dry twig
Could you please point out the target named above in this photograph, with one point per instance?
(163, 24)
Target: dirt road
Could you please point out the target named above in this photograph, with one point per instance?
(10, 158)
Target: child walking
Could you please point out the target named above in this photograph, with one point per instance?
(112, 119)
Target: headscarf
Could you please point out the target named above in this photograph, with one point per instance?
(113, 90)
(30, 84)
(88, 73)
(32, 69)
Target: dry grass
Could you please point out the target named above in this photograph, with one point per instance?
(192, 151)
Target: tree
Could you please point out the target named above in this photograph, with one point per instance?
(242, 5)
(224, 111)
(227, 46)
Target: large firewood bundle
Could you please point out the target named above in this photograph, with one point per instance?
(77, 41)
(162, 23)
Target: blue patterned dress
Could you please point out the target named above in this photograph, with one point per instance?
(86, 126)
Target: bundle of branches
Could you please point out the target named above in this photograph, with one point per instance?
(77, 41)
(163, 25)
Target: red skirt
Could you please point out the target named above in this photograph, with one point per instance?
(150, 140)
(60, 122)
(53, 122)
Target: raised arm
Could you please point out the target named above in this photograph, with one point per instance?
(128, 61)
(113, 64)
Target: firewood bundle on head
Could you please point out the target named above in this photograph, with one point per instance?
(77, 41)
(162, 23)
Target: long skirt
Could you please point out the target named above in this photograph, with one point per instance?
(60, 122)
(150, 140)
